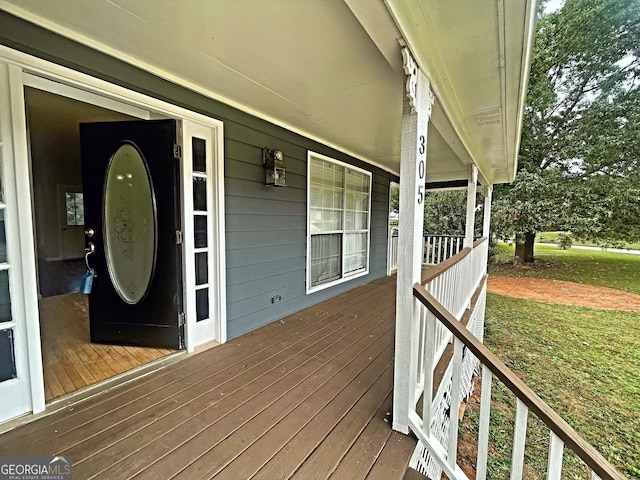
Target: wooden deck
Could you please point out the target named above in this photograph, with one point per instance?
(308, 397)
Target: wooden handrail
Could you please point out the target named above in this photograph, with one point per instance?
(442, 267)
(556, 424)
(479, 241)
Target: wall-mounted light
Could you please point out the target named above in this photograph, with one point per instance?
(273, 162)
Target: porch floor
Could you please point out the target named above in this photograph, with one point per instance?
(306, 397)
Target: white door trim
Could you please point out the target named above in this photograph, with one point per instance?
(208, 329)
(25, 392)
(27, 70)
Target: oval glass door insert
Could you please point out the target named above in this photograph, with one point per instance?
(129, 224)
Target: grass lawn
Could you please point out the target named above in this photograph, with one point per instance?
(583, 362)
(552, 237)
(616, 270)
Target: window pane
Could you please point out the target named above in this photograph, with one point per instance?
(338, 203)
(3, 238)
(351, 200)
(349, 220)
(317, 171)
(74, 204)
(200, 230)
(7, 356)
(355, 254)
(71, 208)
(202, 304)
(315, 198)
(202, 272)
(326, 253)
(79, 201)
(327, 198)
(5, 299)
(198, 146)
(361, 221)
(200, 194)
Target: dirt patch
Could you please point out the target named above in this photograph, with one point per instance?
(565, 293)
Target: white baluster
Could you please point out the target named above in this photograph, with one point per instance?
(554, 464)
(483, 431)
(430, 365)
(455, 402)
(519, 438)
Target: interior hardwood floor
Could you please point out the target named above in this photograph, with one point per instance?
(71, 362)
(307, 397)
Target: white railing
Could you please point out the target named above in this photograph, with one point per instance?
(453, 282)
(438, 248)
(392, 254)
(468, 348)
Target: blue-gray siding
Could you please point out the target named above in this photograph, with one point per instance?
(265, 226)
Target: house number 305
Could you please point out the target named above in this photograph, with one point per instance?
(421, 168)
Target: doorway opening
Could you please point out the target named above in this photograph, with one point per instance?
(71, 362)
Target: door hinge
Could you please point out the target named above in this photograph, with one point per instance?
(181, 343)
(177, 151)
(179, 237)
(181, 319)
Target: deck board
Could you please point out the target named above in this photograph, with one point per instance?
(228, 396)
(235, 353)
(360, 458)
(318, 447)
(306, 397)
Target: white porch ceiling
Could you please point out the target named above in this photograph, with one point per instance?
(330, 69)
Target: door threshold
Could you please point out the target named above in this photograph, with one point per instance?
(107, 385)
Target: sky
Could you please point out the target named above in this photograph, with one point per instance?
(553, 5)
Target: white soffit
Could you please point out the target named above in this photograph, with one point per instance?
(322, 68)
(477, 54)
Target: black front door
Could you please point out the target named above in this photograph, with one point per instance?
(130, 182)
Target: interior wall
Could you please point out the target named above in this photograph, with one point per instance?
(54, 136)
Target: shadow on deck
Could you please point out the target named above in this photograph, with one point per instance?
(306, 397)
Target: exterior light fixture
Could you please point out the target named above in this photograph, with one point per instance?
(273, 162)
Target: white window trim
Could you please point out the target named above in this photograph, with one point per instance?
(346, 277)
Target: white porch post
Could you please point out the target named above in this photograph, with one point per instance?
(471, 206)
(486, 223)
(415, 120)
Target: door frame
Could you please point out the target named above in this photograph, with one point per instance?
(26, 70)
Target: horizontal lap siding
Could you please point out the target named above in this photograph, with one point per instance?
(265, 226)
(266, 251)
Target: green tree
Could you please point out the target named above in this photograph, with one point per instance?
(578, 161)
(445, 213)
(394, 198)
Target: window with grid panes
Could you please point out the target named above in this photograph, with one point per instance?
(339, 214)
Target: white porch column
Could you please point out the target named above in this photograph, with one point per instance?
(415, 120)
(486, 223)
(471, 207)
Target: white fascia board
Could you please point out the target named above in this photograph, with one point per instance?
(527, 53)
(424, 47)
